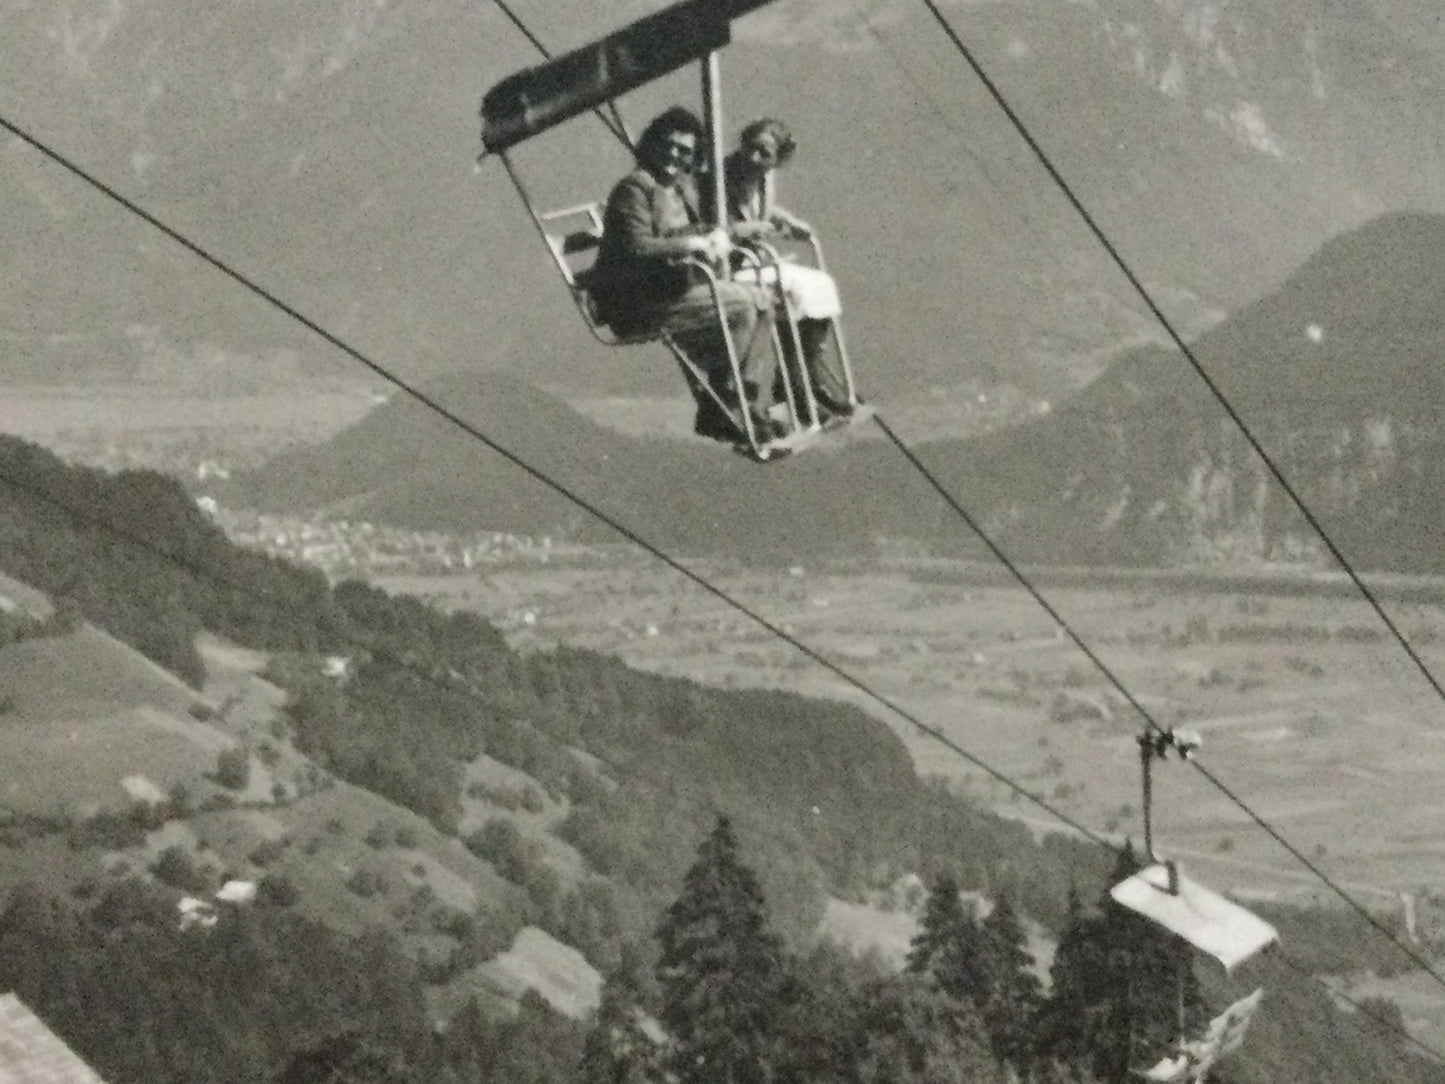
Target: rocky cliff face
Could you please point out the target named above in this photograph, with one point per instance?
(1339, 377)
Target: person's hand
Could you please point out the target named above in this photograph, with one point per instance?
(712, 246)
(751, 229)
(719, 244)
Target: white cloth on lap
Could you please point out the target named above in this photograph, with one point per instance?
(812, 293)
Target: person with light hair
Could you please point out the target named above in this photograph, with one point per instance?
(754, 214)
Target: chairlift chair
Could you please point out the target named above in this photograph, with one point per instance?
(535, 99)
(1206, 921)
(573, 235)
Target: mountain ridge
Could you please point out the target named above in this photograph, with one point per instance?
(1144, 465)
(281, 140)
(1140, 466)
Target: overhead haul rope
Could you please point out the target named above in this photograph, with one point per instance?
(566, 492)
(1178, 340)
(436, 407)
(1363, 1009)
(1068, 629)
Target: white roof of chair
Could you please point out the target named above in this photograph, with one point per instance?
(1212, 924)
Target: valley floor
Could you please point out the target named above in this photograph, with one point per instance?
(1308, 712)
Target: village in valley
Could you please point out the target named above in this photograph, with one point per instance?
(341, 548)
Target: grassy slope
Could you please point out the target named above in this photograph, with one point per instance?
(324, 837)
(85, 714)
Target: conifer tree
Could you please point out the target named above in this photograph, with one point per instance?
(621, 1048)
(720, 972)
(946, 947)
(941, 911)
(1011, 991)
(1061, 1027)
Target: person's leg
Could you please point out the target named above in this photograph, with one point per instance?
(692, 321)
(756, 357)
(813, 295)
(825, 368)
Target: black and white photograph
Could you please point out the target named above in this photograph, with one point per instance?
(722, 542)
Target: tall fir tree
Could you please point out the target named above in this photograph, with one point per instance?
(946, 947)
(1062, 1028)
(720, 972)
(1011, 991)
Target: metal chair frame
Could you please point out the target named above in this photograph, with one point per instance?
(768, 255)
(569, 248)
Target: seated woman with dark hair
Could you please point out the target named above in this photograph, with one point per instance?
(753, 213)
(644, 284)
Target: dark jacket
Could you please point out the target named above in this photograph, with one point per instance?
(637, 272)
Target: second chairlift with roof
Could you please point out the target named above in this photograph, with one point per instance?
(592, 77)
(1214, 926)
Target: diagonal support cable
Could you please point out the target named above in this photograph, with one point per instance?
(1123, 265)
(436, 407)
(1153, 724)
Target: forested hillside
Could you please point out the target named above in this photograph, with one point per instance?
(810, 799)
